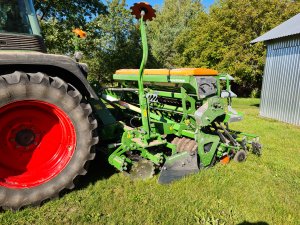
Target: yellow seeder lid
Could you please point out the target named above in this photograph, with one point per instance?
(172, 72)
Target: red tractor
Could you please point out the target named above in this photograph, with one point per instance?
(47, 129)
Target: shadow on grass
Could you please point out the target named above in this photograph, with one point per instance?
(256, 105)
(257, 223)
(99, 169)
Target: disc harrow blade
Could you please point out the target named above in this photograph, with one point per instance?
(178, 166)
(142, 170)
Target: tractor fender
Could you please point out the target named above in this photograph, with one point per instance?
(58, 65)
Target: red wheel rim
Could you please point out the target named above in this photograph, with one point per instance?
(37, 142)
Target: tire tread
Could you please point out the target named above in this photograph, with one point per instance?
(28, 85)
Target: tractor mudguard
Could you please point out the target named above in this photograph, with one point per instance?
(47, 63)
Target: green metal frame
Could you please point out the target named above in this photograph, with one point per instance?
(191, 116)
(144, 137)
(142, 96)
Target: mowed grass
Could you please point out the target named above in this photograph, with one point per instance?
(265, 189)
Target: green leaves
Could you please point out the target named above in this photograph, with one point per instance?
(182, 35)
(219, 39)
(114, 42)
(113, 38)
(73, 12)
(172, 20)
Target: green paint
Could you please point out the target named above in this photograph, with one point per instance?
(174, 105)
(207, 156)
(142, 95)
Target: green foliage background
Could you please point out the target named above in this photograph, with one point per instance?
(184, 34)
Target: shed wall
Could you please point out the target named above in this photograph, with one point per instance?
(281, 83)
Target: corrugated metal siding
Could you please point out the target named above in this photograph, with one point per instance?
(281, 85)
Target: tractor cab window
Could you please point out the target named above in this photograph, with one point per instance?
(18, 16)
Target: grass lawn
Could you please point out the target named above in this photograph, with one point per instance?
(265, 189)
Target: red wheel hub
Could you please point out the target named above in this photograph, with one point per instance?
(37, 141)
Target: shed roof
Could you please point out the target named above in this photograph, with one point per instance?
(287, 28)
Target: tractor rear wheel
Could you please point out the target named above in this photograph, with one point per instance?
(47, 136)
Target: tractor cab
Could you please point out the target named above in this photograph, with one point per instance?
(19, 26)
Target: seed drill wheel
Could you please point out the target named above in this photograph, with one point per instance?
(143, 169)
(47, 134)
(240, 156)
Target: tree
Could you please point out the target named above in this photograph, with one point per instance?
(114, 42)
(73, 12)
(221, 40)
(59, 18)
(172, 19)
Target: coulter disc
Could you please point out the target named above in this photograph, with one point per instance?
(143, 169)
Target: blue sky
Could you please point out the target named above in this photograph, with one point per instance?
(206, 3)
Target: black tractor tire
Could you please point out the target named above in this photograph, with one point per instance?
(33, 88)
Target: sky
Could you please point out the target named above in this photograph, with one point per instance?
(206, 3)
